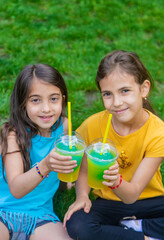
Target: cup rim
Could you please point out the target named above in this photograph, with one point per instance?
(80, 139)
(67, 133)
(102, 160)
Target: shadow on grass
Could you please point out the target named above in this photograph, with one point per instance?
(62, 200)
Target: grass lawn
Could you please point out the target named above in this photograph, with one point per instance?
(73, 36)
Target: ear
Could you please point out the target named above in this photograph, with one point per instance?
(145, 88)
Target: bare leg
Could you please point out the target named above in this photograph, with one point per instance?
(50, 231)
(4, 233)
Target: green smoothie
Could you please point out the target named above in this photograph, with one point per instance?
(98, 163)
(76, 152)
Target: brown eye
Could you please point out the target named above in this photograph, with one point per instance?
(54, 99)
(35, 100)
(106, 94)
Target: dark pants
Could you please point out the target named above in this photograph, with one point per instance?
(103, 220)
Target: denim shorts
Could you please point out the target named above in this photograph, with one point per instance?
(19, 235)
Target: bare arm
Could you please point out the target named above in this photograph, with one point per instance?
(21, 183)
(82, 191)
(129, 192)
(82, 188)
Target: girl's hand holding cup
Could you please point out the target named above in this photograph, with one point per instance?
(70, 145)
(59, 163)
(112, 176)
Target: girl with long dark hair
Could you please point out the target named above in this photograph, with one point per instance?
(29, 166)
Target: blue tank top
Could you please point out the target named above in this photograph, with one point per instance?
(39, 202)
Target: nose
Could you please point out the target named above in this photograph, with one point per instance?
(117, 101)
(45, 107)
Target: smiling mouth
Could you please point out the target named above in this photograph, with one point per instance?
(120, 111)
(46, 118)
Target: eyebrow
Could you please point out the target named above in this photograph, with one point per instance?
(35, 95)
(118, 89)
(105, 91)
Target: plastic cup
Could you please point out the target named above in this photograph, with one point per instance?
(97, 163)
(73, 146)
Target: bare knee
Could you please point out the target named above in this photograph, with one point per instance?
(50, 231)
(4, 232)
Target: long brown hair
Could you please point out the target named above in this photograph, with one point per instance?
(130, 63)
(19, 122)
